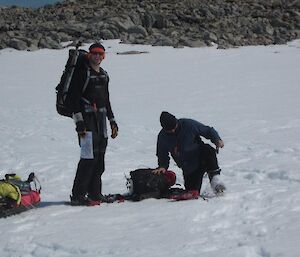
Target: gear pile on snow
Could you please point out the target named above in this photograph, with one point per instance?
(143, 183)
(17, 196)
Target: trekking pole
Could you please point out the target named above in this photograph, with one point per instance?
(72, 68)
(204, 198)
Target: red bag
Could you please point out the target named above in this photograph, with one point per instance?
(31, 198)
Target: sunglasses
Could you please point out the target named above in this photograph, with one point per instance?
(97, 53)
(97, 50)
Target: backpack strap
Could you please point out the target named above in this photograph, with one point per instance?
(88, 75)
(106, 74)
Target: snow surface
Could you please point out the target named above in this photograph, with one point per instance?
(250, 95)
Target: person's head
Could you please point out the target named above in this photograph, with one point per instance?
(168, 122)
(96, 53)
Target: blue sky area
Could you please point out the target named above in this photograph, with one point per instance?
(27, 3)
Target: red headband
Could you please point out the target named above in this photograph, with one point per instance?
(97, 50)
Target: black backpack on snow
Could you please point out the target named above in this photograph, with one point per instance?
(144, 184)
(76, 58)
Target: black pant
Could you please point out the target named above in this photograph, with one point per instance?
(208, 163)
(89, 171)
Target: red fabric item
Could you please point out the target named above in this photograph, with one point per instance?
(94, 202)
(171, 177)
(192, 194)
(97, 50)
(32, 198)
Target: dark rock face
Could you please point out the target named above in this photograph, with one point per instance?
(194, 23)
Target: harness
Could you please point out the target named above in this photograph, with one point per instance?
(88, 107)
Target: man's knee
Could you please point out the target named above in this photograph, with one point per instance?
(212, 173)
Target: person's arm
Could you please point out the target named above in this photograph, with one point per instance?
(162, 156)
(110, 114)
(76, 86)
(209, 133)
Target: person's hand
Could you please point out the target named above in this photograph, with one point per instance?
(159, 170)
(219, 144)
(80, 128)
(114, 129)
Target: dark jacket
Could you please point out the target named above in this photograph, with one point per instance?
(184, 144)
(93, 96)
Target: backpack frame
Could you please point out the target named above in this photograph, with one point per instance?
(62, 89)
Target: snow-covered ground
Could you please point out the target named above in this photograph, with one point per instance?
(250, 95)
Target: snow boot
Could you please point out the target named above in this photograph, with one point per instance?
(107, 198)
(83, 201)
(217, 185)
(103, 198)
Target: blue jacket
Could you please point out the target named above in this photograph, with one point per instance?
(184, 144)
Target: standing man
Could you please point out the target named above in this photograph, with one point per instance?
(91, 106)
(182, 139)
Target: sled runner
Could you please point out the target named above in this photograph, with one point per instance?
(17, 196)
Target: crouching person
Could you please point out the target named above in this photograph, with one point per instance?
(182, 139)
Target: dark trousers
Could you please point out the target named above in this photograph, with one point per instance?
(89, 171)
(208, 163)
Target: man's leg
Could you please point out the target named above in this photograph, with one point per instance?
(82, 179)
(209, 161)
(193, 181)
(210, 165)
(95, 185)
(85, 168)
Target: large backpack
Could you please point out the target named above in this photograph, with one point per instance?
(142, 183)
(76, 58)
(17, 195)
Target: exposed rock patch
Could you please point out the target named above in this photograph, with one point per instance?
(194, 23)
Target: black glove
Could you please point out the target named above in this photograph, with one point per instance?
(80, 128)
(114, 129)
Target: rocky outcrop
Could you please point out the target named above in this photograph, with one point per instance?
(194, 23)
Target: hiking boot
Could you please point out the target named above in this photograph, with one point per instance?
(103, 198)
(217, 185)
(78, 200)
(83, 201)
(107, 198)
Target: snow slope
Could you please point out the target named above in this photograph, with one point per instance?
(250, 95)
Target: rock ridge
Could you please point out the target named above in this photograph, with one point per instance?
(193, 23)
